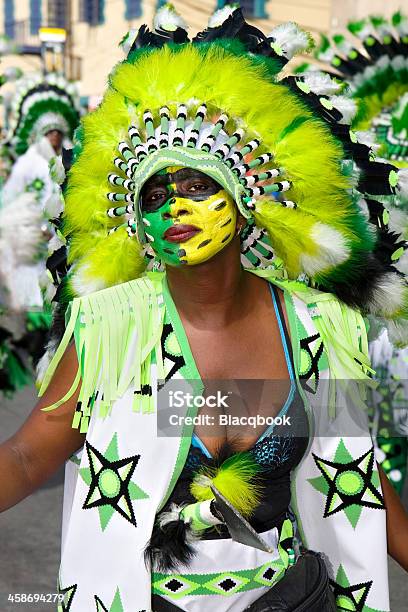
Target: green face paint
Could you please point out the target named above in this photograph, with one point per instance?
(188, 217)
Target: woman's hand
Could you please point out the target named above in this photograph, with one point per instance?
(44, 442)
(397, 523)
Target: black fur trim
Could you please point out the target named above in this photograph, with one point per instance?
(168, 547)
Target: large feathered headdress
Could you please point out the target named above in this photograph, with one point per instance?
(285, 153)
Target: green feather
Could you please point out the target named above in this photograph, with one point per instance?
(236, 479)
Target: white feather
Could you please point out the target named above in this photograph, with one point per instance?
(346, 106)
(168, 19)
(321, 84)
(220, 16)
(398, 332)
(45, 360)
(128, 40)
(402, 263)
(366, 30)
(403, 183)
(333, 250)
(367, 138)
(290, 38)
(54, 205)
(55, 243)
(82, 284)
(398, 221)
(389, 296)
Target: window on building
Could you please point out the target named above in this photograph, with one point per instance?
(9, 23)
(250, 8)
(35, 16)
(57, 13)
(92, 11)
(133, 9)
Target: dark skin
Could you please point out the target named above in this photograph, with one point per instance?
(218, 303)
(55, 137)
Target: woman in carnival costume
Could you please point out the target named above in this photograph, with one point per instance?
(246, 190)
(41, 113)
(13, 370)
(372, 72)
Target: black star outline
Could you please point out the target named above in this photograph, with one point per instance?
(350, 500)
(348, 591)
(65, 606)
(100, 607)
(124, 483)
(305, 344)
(177, 360)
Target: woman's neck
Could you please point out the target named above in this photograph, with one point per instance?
(211, 292)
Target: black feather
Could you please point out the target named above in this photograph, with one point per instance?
(169, 546)
(234, 27)
(158, 38)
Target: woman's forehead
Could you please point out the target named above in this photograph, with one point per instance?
(174, 174)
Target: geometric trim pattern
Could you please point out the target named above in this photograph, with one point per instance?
(176, 586)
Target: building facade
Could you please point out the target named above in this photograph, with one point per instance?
(95, 27)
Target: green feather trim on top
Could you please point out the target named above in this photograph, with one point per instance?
(38, 109)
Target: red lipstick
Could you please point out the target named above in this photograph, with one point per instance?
(180, 233)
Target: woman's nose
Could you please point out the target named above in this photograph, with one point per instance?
(178, 210)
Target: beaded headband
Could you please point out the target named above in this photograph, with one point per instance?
(195, 144)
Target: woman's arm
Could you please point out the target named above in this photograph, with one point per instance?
(397, 523)
(44, 442)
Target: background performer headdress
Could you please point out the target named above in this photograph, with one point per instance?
(40, 104)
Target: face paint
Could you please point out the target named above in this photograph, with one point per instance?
(188, 217)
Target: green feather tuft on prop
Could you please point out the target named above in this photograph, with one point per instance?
(236, 478)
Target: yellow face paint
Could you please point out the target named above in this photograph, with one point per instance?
(215, 217)
(188, 217)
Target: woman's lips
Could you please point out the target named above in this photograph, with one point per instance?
(180, 233)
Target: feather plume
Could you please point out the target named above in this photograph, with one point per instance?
(291, 39)
(168, 19)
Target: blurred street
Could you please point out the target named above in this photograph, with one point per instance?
(30, 533)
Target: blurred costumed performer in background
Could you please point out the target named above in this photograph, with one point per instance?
(41, 113)
(370, 63)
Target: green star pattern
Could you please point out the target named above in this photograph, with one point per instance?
(109, 479)
(69, 594)
(348, 484)
(116, 605)
(351, 598)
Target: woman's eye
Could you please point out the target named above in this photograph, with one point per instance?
(156, 195)
(198, 187)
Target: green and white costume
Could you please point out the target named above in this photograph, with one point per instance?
(336, 492)
(216, 105)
